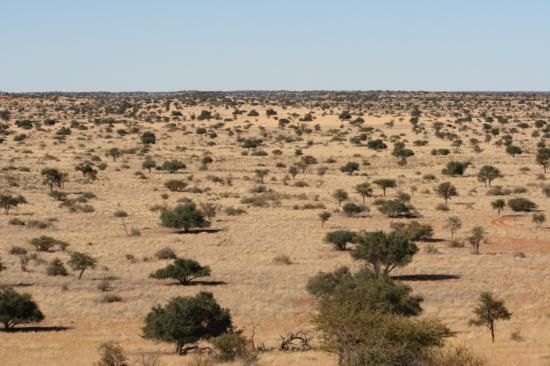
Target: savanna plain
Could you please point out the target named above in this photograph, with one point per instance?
(267, 177)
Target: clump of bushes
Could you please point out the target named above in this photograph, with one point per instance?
(521, 204)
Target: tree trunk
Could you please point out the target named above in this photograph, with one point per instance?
(124, 226)
(81, 273)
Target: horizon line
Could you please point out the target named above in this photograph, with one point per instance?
(519, 91)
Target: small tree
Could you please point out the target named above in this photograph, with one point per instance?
(149, 164)
(209, 209)
(446, 190)
(399, 151)
(539, 218)
(184, 216)
(45, 243)
(21, 253)
(477, 235)
(18, 308)
(52, 177)
(87, 170)
(122, 215)
(56, 268)
(340, 195)
(340, 238)
(81, 262)
(7, 202)
(364, 189)
(148, 138)
(183, 270)
(351, 209)
(112, 354)
(455, 168)
(293, 170)
(385, 184)
(261, 174)
(175, 185)
(350, 167)
(324, 216)
(384, 252)
(308, 160)
(498, 205)
(453, 223)
(487, 174)
(164, 197)
(172, 166)
(114, 153)
(543, 158)
(513, 150)
(394, 208)
(187, 320)
(488, 311)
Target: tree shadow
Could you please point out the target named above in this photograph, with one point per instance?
(426, 277)
(430, 240)
(36, 329)
(199, 231)
(198, 283)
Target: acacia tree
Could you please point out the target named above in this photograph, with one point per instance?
(18, 308)
(7, 202)
(114, 153)
(487, 174)
(184, 216)
(446, 190)
(187, 320)
(488, 311)
(53, 177)
(172, 166)
(122, 215)
(399, 151)
(87, 170)
(364, 189)
(149, 164)
(498, 205)
(340, 238)
(324, 216)
(184, 270)
(81, 262)
(340, 195)
(385, 184)
(539, 218)
(384, 252)
(369, 320)
(453, 224)
(476, 237)
(513, 150)
(306, 161)
(148, 138)
(261, 174)
(543, 158)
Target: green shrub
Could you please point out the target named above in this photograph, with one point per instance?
(56, 268)
(521, 204)
(187, 320)
(165, 253)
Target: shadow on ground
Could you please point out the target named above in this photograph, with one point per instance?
(426, 277)
(36, 329)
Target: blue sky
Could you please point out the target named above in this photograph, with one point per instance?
(167, 45)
